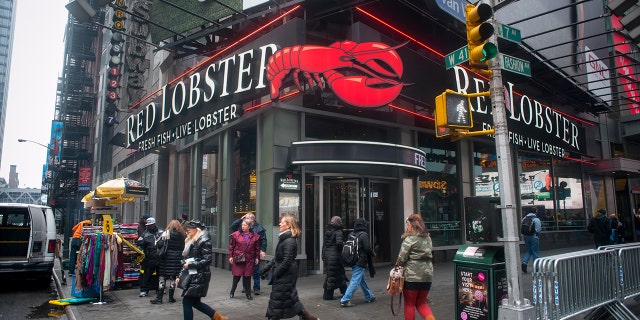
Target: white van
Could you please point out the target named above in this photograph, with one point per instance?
(27, 240)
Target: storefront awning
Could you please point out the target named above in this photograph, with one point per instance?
(357, 153)
(616, 167)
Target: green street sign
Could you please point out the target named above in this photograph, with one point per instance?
(508, 33)
(515, 65)
(457, 57)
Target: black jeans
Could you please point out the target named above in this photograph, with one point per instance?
(149, 280)
(73, 254)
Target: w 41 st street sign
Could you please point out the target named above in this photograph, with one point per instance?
(456, 57)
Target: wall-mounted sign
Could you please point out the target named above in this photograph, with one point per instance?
(288, 187)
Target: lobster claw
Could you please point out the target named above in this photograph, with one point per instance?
(362, 91)
(378, 57)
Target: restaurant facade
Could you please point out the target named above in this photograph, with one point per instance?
(322, 116)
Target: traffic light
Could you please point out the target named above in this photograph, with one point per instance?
(453, 110)
(478, 31)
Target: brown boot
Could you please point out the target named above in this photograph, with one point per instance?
(218, 316)
(307, 316)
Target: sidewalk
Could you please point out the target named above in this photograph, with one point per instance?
(124, 304)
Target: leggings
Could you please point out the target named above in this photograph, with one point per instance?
(416, 299)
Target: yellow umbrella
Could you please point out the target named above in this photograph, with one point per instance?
(122, 190)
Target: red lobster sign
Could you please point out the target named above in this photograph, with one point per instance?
(364, 75)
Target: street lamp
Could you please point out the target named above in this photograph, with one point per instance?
(38, 143)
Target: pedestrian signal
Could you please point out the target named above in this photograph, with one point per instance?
(453, 110)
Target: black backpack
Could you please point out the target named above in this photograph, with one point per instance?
(350, 250)
(527, 228)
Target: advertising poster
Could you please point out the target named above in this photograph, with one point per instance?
(474, 293)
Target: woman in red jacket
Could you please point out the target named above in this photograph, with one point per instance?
(244, 254)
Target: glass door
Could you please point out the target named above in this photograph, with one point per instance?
(342, 199)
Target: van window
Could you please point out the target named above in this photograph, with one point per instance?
(16, 219)
(15, 226)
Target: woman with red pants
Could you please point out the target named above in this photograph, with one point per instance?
(416, 258)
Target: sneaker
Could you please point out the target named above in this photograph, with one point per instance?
(372, 300)
(347, 304)
(143, 294)
(257, 292)
(524, 267)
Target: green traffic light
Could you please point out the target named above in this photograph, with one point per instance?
(489, 51)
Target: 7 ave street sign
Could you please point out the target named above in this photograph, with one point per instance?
(509, 33)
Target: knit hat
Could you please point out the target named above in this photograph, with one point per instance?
(602, 211)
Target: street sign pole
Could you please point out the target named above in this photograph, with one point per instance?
(515, 307)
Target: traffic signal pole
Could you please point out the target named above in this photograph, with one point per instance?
(515, 307)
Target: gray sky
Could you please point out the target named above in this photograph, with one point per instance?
(36, 63)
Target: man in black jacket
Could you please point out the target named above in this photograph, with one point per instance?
(365, 258)
(147, 243)
(600, 227)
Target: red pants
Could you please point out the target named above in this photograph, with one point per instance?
(416, 299)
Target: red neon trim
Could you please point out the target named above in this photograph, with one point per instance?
(132, 152)
(411, 112)
(260, 105)
(587, 122)
(580, 160)
(217, 54)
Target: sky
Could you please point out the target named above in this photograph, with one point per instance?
(36, 63)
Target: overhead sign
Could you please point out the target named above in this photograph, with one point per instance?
(453, 7)
(456, 57)
(508, 33)
(515, 65)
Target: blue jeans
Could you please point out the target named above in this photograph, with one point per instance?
(357, 279)
(256, 277)
(532, 245)
(188, 303)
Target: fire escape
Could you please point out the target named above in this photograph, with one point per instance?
(75, 110)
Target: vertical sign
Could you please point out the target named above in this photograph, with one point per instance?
(288, 187)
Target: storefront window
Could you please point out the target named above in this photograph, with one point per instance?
(439, 192)
(183, 184)
(244, 173)
(209, 189)
(595, 194)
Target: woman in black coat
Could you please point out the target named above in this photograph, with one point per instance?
(198, 256)
(170, 246)
(284, 302)
(331, 255)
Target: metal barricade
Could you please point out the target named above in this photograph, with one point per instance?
(629, 256)
(568, 284)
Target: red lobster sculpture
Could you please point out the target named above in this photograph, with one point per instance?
(374, 70)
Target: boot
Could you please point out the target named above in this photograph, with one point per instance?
(218, 316)
(234, 285)
(305, 315)
(171, 298)
(158, 299)
(246, 283)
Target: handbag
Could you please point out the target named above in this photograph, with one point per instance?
(184, 279)
(239, 259)
(395, 285)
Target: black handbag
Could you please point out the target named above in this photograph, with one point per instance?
(239, 259)
(184, 279)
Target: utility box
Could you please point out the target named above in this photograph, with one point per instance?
(480, 281)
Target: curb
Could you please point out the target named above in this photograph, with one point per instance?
(61, 295)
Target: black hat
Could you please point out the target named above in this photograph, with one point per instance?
(603, 211)
(194, 224)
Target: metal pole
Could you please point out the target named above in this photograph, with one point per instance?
(67, 228)
(515, 307)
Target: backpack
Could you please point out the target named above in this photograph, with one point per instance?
(350, 250)
(527, 228)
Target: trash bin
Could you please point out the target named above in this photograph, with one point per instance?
(480, 281)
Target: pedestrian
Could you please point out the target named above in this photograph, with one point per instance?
(197, 256)
(600, 227)
(142, 224)
(244, 255)
(416, 257)
(184, 218)
(75, 244)
(365, 258)
(531, 241)
(257, 228)
(331, 249)
(636, 223)
(283, 301)
(617, 229)
(149, 265)
(170, 247)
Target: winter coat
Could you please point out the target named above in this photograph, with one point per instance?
(256, 227)
(331, 255)
(201, 251)
(284, 302)
(251, 249)
(365, 252)
(601, 230)
(416, 257)
(147, 243)
(170, 262)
